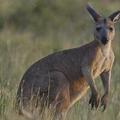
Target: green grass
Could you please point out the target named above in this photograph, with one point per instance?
(19, 48)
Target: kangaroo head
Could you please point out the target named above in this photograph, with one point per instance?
(104, 27)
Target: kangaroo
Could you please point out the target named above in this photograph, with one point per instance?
(67, 75)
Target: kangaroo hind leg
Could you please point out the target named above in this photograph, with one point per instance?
(61, 101)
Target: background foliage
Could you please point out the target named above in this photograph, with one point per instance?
(32, 29)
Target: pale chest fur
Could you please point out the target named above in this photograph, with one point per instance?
(102, 62)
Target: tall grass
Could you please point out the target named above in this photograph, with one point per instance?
(22, 46)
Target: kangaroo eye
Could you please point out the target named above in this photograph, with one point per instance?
(110, 28)
(98, 28)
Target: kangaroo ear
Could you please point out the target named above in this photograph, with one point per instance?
(115, 17)
(93, 13)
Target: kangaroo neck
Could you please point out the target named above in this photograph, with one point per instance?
(105, 48)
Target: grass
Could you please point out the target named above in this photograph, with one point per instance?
(18, 50)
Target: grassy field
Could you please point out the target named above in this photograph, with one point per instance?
(30, 36)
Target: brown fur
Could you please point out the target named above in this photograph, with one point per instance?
(64, 77)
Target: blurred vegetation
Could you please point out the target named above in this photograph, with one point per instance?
(32, 29)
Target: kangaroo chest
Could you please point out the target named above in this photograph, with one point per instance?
(100, 64)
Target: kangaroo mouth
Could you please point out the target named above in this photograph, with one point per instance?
(104, 41)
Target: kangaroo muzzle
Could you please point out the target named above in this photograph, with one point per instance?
(104, 40)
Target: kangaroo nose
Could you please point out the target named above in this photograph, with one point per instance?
(104, 40)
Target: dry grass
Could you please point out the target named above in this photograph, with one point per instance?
(17, 53)
(18, 50)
